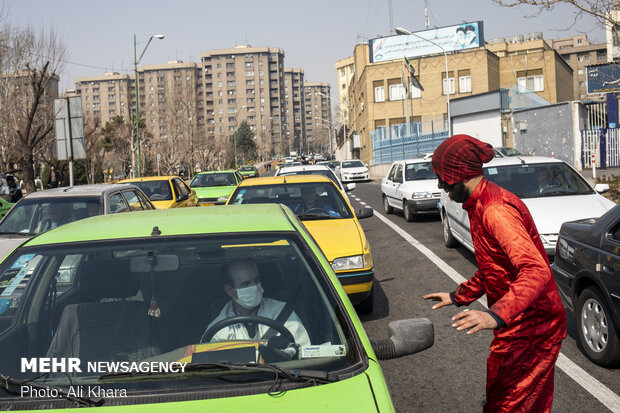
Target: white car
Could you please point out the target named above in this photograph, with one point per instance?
(316, 170)
(353, 170)
(411, 186)
(552, 190)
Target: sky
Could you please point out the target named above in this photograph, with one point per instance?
(313, 34)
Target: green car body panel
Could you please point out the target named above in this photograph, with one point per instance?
(5, 206)
(363, 392)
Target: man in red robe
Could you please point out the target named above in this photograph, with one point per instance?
(525, 310)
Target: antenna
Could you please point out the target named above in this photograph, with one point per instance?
(391, 16)
(426, 22)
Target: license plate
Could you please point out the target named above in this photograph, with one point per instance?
(206, 204)
(437, 204)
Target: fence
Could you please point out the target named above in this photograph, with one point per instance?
(399, 145)
(603, 144)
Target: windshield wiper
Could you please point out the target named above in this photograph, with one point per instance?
(319, 376)
(5, 381)
(315, 216)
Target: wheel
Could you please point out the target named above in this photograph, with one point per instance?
(448, 238)
(365, 307)
(279, 327)
(407, 212)
(597, 333)
(389, 209)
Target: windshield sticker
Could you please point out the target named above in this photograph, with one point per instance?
(15, 282)
(492, 171)
(323, 351)
(4, 305)
(23, 261)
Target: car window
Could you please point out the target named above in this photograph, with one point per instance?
(316, 200)
(132, 198)
(325, 172)
(182, 188)
(35, 215)
(146, 203)
(214, 179)
(538, 180)
(352, 164)
(118, 204)
(392, 172)
(155, 190)
(417, 171)
(115, 285)
(398, 173)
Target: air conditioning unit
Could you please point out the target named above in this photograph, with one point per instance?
(523, 125)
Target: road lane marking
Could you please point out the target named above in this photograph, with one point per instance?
(363, 203)
(597, 389)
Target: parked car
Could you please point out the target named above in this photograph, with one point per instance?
(249, 171)
(411, 186)
(552, 190)
(165, 191)
(315, 170)
(353, 170)
(331, 221)
(42, 210)
(330, 164)
(214, 187)
(586, 269)
(148, 298)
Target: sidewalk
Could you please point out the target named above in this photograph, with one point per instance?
(600, 173)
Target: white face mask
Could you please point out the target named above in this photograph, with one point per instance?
(249, 297)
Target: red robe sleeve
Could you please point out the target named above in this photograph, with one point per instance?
(470, 290)
(507, 226)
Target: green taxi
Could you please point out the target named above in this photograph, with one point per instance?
(214, 187)
(130, 312)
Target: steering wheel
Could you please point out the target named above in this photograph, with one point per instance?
(276, 325)
(550, 189)
(316, 210)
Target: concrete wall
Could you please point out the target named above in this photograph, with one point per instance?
(549, 131)
(485, 126)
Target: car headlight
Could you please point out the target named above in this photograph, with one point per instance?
(348, 263)
(420, 195)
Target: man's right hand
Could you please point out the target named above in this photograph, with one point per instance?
(443, 298)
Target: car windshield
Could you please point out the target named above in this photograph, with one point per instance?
(35, 215)
(248, 169)
(538, 180)
(119, 304)
(352, 164)
(418, 171)
(333, 164)
(156, 190)
(215, 179)
(325, 172)
(313, 200)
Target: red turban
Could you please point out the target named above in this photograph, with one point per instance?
(460, 158)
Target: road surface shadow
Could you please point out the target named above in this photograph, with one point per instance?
(381, 307)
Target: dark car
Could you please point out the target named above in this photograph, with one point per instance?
(587, 272)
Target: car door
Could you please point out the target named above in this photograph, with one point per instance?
(610, 261)
(133, 200)
(184, 194)
(397, 184)
(387, 183)
(117, 204)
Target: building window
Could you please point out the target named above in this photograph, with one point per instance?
(580, 72)
(249, 73)
(380, 94)
(533, 83)
(397, 92)
(464, 84)
(448, 86)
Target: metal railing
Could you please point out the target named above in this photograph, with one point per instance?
(397, 145)
(604, 144)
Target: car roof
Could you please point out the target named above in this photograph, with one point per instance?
(517, 160)
(298, 168)
(217, 172)
(177, 221)
(150, 178)
(415, 160)
(80, 190)
(285, 179)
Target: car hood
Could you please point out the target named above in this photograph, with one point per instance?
(336, 237)
(549, 218)
(8, 243)
(213, 191)
(423, 185)
(354, 170)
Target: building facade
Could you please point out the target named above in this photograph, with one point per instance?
(318, 117)
(293, 121)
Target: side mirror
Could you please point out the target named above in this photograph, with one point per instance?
(349, 187)
(365, 212)
(601, 188)
(405, 337)
(182, 197)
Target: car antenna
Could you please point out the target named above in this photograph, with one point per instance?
(522, 161)
(284, 179)
(156, 231)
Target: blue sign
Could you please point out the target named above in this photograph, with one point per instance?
(603, 78)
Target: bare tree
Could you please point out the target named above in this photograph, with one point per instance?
(95, 148)
(604, 11)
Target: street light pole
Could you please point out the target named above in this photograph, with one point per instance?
(333, 128)
(400, 30)
(135, 67)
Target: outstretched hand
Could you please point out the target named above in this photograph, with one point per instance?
(474, 320)
(443, 298)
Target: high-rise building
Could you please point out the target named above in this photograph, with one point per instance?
(317, 115)
(104, 97)
(294, 124)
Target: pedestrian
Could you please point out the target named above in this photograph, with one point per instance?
(53, 178)
(525, 310)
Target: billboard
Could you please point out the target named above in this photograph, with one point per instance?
(450, 38)
(603, 78)
(69, 132)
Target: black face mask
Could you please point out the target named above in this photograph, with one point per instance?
(457, 191)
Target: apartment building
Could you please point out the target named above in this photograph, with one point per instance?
(578, 52)
(345, 68)
(317, 115)
(293, 121)
(245, 83)
(104, 97)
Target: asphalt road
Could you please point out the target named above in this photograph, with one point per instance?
(450, 376)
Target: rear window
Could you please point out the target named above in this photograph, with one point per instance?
(352, 164)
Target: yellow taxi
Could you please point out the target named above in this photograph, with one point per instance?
(165, 191)
(331, 221)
